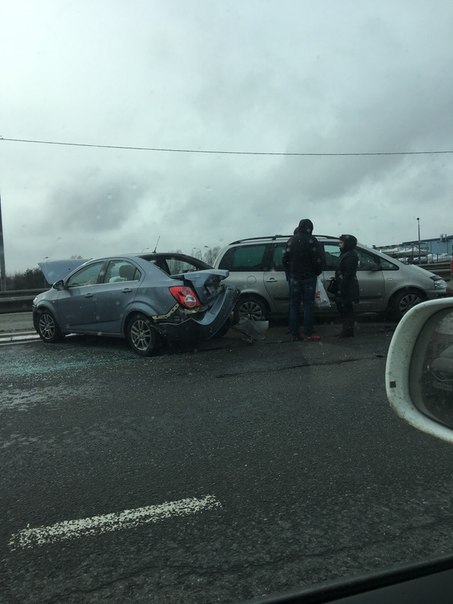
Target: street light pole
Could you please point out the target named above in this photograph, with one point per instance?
(419, 247)
(2, 254)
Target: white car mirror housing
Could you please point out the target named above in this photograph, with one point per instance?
(419, 369)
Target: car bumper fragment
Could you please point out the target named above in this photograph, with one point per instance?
(204, 327)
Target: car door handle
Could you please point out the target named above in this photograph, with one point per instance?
(89, 295)
(127, 290)
(272, 280)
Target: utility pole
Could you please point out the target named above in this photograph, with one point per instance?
(419, 246)
(2, 254)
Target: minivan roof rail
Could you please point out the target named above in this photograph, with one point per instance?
(274, 237)
(268, 237)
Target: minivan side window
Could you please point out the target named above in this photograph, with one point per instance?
(369, 262)
(277, 255)
(332, 256)
(386, 265)
(244, 258)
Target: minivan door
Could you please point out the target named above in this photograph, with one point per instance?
(369, 275)
(371, 282)
(246, 264)
(275, 280)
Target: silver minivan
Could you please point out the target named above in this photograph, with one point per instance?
(386, 285)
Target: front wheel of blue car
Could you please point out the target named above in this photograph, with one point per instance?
(141, 335)
(47, 327)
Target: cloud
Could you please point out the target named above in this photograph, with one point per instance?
(94, 206)
(256, 76)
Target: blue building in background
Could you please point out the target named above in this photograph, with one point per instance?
(437, 249)
(440, 246)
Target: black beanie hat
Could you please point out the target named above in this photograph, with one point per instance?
(350, 241)
(306, 226)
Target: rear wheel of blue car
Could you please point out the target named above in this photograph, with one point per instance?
(47, 327)
(224, 329)
(141, 335)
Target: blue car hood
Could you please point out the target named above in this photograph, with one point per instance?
(54, 270)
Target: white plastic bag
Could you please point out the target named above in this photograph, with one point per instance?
(321, 297)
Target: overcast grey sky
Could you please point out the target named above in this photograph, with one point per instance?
(323, 76)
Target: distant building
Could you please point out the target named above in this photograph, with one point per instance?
(439, 249)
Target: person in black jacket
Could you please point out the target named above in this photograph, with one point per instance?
(303, 261)
(347, 285)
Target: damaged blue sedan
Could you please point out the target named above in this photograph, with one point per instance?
(130, 297)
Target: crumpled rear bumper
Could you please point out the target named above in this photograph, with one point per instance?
(204, 327)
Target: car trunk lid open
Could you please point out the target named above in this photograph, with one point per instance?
(205, 284)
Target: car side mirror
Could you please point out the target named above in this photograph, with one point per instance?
(59, 285)
(419, 369)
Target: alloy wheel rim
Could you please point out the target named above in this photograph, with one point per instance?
(251, 310)
(408, 302)
(47, 326)
(141, 335)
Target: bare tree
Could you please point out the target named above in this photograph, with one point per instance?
(32, 278)
(211, 254)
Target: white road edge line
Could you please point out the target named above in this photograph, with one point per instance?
(96, 525)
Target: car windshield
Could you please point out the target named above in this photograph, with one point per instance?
(218, 430)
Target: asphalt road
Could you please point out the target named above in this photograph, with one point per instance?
(246, 470)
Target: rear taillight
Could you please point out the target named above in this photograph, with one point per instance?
(185, 296)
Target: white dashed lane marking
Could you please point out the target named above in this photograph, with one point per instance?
(97, 525)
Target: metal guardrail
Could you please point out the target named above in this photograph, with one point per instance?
(19, 300)
(439, 268)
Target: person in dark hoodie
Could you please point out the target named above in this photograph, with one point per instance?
(347, 285)
(303, 261)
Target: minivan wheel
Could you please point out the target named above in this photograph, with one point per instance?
(47, 327)
(141, 335)
(405, 300)
(253, 308)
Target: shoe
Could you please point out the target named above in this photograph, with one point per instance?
(312, 338)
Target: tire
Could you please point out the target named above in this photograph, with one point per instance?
(141, 335)
(253, 308)
(224, 329)
(403, 301)
(48, 328)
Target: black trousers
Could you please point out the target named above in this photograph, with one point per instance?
(346, 310)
